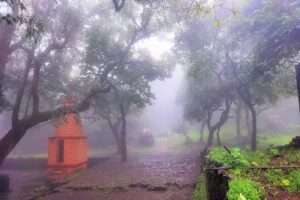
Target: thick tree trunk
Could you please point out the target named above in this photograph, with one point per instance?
(217, 126)
(123, 145)
(9, 141)
(210, 139)
(123, 135)
(115, 131)
(202, 132)
(118, 142)
(253, 128)
(123, 148)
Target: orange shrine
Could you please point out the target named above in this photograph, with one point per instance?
(67, 150)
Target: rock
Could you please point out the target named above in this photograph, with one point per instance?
(295, 142)
(4, 183)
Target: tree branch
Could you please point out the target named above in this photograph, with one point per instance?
(20, 93)
(35, 89)
(118, 4)
(48, 115)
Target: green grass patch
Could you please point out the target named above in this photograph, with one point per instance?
(244, 189)
(277, 139)
(200, 192)
(248, 182)
(294, 181)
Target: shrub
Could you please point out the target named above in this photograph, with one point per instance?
(240, 189)
(294, 181)
(277, 178)
(233, 159)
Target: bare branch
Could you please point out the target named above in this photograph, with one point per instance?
(118, 4)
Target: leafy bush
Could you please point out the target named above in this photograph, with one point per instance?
(233, 159)
(257, 158)
(273, 151)
(277, 178)
(294, 181)
(291, 182)
(291, 155)
(241, 189)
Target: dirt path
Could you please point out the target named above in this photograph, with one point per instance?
(152, 177)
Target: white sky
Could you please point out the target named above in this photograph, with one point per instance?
(158, 45)
(4, 9)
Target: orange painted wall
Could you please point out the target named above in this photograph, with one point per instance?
(75, 150)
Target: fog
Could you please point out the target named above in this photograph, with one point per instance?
(149, 99)
(170, 71)
(166, 112)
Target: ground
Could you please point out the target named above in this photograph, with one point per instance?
(158, 176)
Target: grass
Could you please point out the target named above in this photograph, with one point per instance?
(194, 135)
(200, 192)
(264, 139)
(270, 179)
(277, 139)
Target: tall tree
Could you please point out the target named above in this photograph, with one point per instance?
(130, 79)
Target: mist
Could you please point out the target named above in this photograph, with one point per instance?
(147, 99)
(166, 113)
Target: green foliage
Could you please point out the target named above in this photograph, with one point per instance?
(241, 189)
(294, 181)
(274, 151)
(200, 191)
(233, 159)
(257, 158)
(291, 155)
(276, 177)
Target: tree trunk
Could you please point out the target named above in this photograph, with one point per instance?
(123, 145)
(219, 138)
(118, 142)
(123, 135)
(115, 131)
(202, 132)
(210, 138)
(238, 121)
(248, 122)
(9, 141)
(253, 128)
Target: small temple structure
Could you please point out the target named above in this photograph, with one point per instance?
(67, 150)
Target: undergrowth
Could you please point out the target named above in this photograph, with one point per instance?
(246, 181)
(200, 190)
(244, 189)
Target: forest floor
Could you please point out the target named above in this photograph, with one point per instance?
(157, 176)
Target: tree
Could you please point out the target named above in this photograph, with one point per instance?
(226, 51)
(37, 54)
(262, 75)
(208, 96)
(130, 79)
